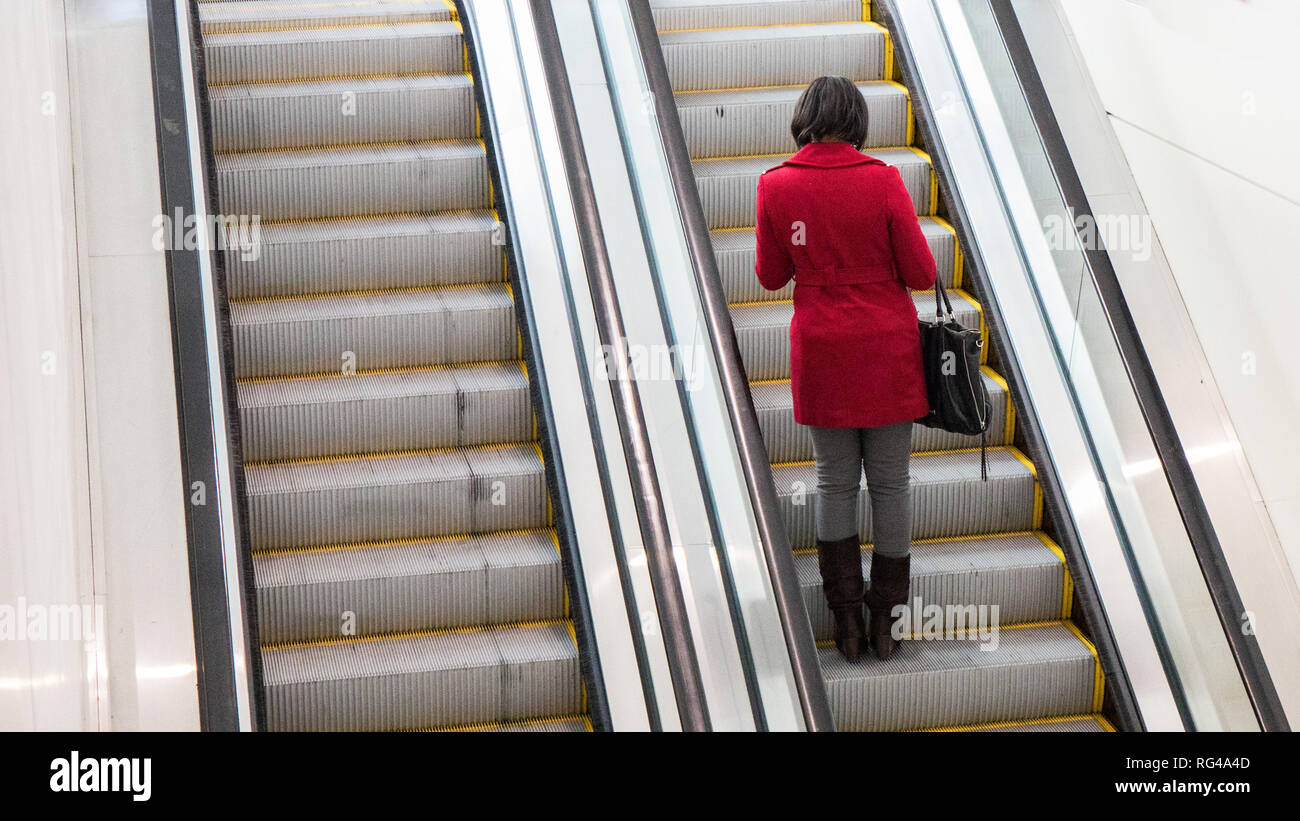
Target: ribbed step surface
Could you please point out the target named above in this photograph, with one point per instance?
(367, 254)
(697, 14)
(734, 250)
(427, 680)
(406, 569)
(738, 70)
(392, 329)
(405, 586)
(1022, 574)
(1030, 671)
(271, 15)
(377, 498)
(315, 183)
(729, 186)
(779, 55)
(948, 497)
(763, 330)
(790, 442)
(338, 112)
(746, 121)
(437, 407)
(328, 53)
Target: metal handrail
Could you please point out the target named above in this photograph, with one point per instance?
(777, 550)
(688, 685)
(1192, 509)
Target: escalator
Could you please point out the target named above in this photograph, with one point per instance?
(407, 568)
(736, 70)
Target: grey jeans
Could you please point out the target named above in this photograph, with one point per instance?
(885, 453)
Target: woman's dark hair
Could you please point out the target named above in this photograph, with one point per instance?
(830, 107)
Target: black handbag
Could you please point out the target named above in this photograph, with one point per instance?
(950, 356)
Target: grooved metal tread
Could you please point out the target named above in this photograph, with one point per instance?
(977, 541)
(380, 303)
(1023, 574)
(408, 409)
(350, 155)
(745, 121)
(672, 15)
(734, 249)
(788, 441)
(308, 257)
(333, 52)
(399, 587)
(951, 681)
(1065, 724)
(259, 15)
(728, 185)
(317, 113)
(428, 679)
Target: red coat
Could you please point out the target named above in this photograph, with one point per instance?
(843, 226)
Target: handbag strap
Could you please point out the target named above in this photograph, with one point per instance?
(939, 308)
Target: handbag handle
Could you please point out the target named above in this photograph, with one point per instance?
(939, 308)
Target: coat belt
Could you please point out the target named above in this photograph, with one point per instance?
(836, 275)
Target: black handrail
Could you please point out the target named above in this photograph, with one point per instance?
(778, 551)
(1155, 412)
(688, 686)
(213, 643)
(571, 556)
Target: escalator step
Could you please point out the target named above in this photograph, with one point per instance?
(268, 116)
(776, 55)
(367, 253)
(345, 181)
(396, 496)
(1018, 572)
(746, 121)
(734, 250)
(1037, 670)
(387, 329)
(763, 330)
(1063, 724)
(407, 586)
(269, 15)
(788, 441)
(670, 15)
(426, 680)
(436, 407)
(728, 187)
(948, 497)
(332, 53)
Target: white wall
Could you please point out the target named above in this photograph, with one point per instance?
(91, 494)
(1200, 96)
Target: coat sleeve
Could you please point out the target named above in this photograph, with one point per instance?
(915, 263)
(774, 266)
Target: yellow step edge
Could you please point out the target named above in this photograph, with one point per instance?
(788, 154)
(413, 289)
(1029, 722)
(388, 454)
(414, 634)
(957, 291)
(957, 258)
(506, 725)
(257, 380)
(762, 26)
(1067, 583)
(350, 146)
(342, 78)
(1012, 449)
(826, 644)
(1098, 677)
(273, 29)
(970, 537)
(445, 538)
(1009, 425)
(394, 215)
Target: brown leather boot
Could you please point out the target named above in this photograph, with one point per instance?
(891, 582)
(840, 562)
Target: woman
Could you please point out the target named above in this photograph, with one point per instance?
(842, 225)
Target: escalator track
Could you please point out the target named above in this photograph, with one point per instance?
(736, 71)
(406, 563)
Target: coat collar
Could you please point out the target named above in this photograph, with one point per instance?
(830, 155)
